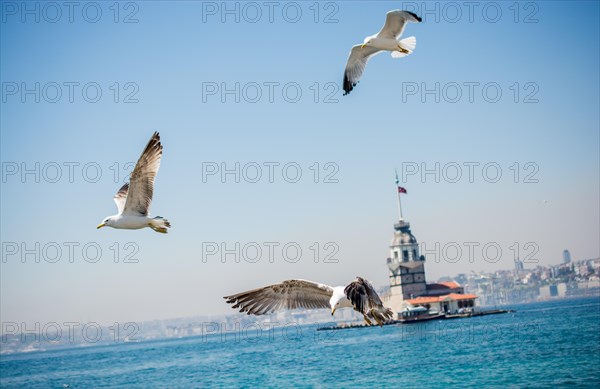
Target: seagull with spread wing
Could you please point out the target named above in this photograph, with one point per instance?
(134, 198)
(384, 40)
(292, 294)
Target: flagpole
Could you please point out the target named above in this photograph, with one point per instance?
(399, 202)
(399, 206)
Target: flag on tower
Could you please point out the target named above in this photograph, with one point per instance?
(400, 191)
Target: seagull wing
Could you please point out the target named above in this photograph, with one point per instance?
(355, 66)
(121, 197)
(365, 300)
(288, 294)
(395, 22)
(141, 182)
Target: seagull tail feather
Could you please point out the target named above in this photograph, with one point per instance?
(160, 224)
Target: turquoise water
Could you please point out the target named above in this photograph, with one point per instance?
(541, 345)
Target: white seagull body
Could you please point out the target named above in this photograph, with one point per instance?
(292, 294)
(384, 40)
(134, 198)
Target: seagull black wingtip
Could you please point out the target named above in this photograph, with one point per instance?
(414, 15)
(348, 86)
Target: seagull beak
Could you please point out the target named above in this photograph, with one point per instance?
(332, 311)
(100, 225)
(363, 45)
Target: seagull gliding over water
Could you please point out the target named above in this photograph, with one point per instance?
(292, 294)
(134, 198)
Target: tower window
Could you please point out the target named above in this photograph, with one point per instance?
(405, 255)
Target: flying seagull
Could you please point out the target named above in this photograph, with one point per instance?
(291, 294)
(384, 40)
(134, 198)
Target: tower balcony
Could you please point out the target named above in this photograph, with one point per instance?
(401, 225)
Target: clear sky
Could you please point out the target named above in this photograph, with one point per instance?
(171, 72)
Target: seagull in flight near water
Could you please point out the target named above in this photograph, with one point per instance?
(291, 294)
(134, 198)
(384, 40)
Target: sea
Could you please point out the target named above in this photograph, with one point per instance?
(539, 345)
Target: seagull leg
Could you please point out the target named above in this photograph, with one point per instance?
(367, 320)
(403, 50)
(162, 230)
(375, 316)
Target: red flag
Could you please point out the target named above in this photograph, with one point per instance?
(401, 190)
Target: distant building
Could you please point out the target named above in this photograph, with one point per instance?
(407, 267)
(566, 256)
(519, 267)
(554, 290)
(447, 303)
(408, 287)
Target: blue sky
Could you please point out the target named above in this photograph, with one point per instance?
(175, 52)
